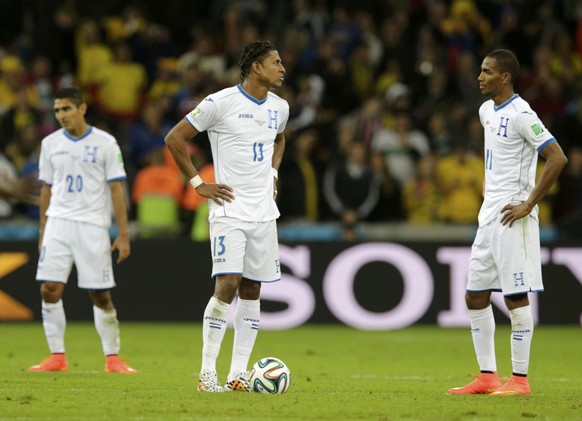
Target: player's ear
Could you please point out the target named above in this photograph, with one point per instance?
(83, 108)
(256, 67)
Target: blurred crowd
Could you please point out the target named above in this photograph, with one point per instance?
(383, 99)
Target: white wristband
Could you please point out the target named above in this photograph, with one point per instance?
(196, 181)
(275, 173)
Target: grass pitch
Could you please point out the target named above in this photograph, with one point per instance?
(337, 373)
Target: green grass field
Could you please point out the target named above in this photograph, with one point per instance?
(337, 373)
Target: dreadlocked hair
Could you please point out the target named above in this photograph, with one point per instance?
(255, 51)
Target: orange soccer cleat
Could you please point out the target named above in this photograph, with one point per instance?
(56, 362)
(484, 383)
(240, 383)
(517, 385)
(114, 364)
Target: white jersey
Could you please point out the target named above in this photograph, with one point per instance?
(514, 135)
(242, 132)
(78, 171)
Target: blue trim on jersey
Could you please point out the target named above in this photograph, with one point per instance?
(117, 179)
(484, 290)
(506, 103)
(225, 273)
(240, 273)
(254, 280)
(189, 122)
(76, 139)
(524, 292)
(546, 143)
(48, 280)
(252, 98)
(505, 295)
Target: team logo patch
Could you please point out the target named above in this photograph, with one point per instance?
(536, 128)
(120, 158)
(196, 112)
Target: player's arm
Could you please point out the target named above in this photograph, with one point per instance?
(176, 140)
(21, 188)
(121, 243)
(555, 163)
(278, 150)
(45, 198)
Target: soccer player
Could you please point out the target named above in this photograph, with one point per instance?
(80, 166)
(245, 125)
(506, 252)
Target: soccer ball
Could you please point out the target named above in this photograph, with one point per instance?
(270, 375)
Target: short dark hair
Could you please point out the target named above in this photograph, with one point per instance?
(255, 51)
(73, 93)
(506, 62)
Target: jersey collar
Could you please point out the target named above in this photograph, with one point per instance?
(76, 139)
(252, 98)
(506, 103)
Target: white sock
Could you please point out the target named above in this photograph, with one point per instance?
(246, 328)
(213, 329)
(522, 328)
(107, 326)
(54, 323)
(483, 332)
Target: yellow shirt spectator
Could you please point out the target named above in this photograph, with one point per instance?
(11, 83)
(92, 60)
(122, 85)
(92, 54)
(166, 82)
(421, 199)
(460, 180)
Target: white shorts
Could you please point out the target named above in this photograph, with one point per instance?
(506, 259)
(247, 248)
(87, 246)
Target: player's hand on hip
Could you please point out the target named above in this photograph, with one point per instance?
(121, 244)
(512, 213)
(217, 192)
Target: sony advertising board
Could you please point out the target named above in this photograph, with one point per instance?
(368, 285)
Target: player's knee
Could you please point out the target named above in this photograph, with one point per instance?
(249, 290)
(515, 301)
(477, 301)
(226, 287)
(102, 299)
(51, 292)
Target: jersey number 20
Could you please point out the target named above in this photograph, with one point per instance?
(74, 184)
